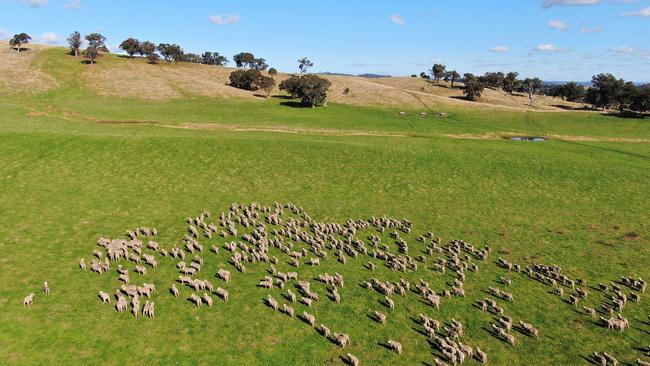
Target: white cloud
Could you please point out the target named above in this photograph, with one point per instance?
(548, 47)
(592, 30)
(73, 4)
(645, 12)
(499, 49)
(34, 3)
(49, 38)
(397, 19)
(558, 24)
(552, 3)
(227, 19)
(623, 49)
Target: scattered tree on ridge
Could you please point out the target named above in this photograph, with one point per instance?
(170, 52)
(438, 72)
(473, 87)
(452, 76)
(18, 40)
(532, 87)
(604, 91)
(192, 58)
(244, 59)
(96, 43)
(266, 83)
(75, 42)
(304, 65)
(273, 72)
(494, 80)
(259, 64)
(131, 46)
(311, 89)
(245, 79)
(510, 82)
(210, 58)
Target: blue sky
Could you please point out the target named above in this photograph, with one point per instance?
(553, 39)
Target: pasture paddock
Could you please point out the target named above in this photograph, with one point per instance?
(581, 203)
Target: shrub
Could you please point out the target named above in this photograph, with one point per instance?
(245, 79)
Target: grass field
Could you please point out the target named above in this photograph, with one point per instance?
(68, 177)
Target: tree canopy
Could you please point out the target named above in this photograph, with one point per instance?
(266, 83)
(532, 87)
(606, 90)
(75, 41)
(96, 44)
(494, 80)
(310, 89)
(131, 46)
(510, 82)
(473, 87)
(210, 58)
(438, 72)
(244, 59)
(259, 64)
(18, 40)
(304, 64)
(452, 76)
(170, 52)
(245, 79)
(147, 48)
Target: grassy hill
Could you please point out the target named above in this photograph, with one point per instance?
(134, 78)
(93, 151)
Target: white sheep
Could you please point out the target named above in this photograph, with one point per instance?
(28, 300)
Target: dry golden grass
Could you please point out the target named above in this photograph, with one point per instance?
(138, 79)
(19, 72)
(490, 97)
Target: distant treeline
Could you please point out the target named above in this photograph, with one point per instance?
(605, 92)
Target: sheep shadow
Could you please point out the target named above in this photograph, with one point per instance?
(522, 331)
(385, 345)
(590, 360)
(372, 317)
(494, 334)
(420, 331)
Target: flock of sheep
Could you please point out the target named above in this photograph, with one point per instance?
(286, 236)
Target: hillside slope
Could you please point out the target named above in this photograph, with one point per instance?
(43, 68)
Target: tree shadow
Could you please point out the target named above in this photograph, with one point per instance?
(292, 104)
(462, 97)
(564, 107)
(626, 115)
(607, 149)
